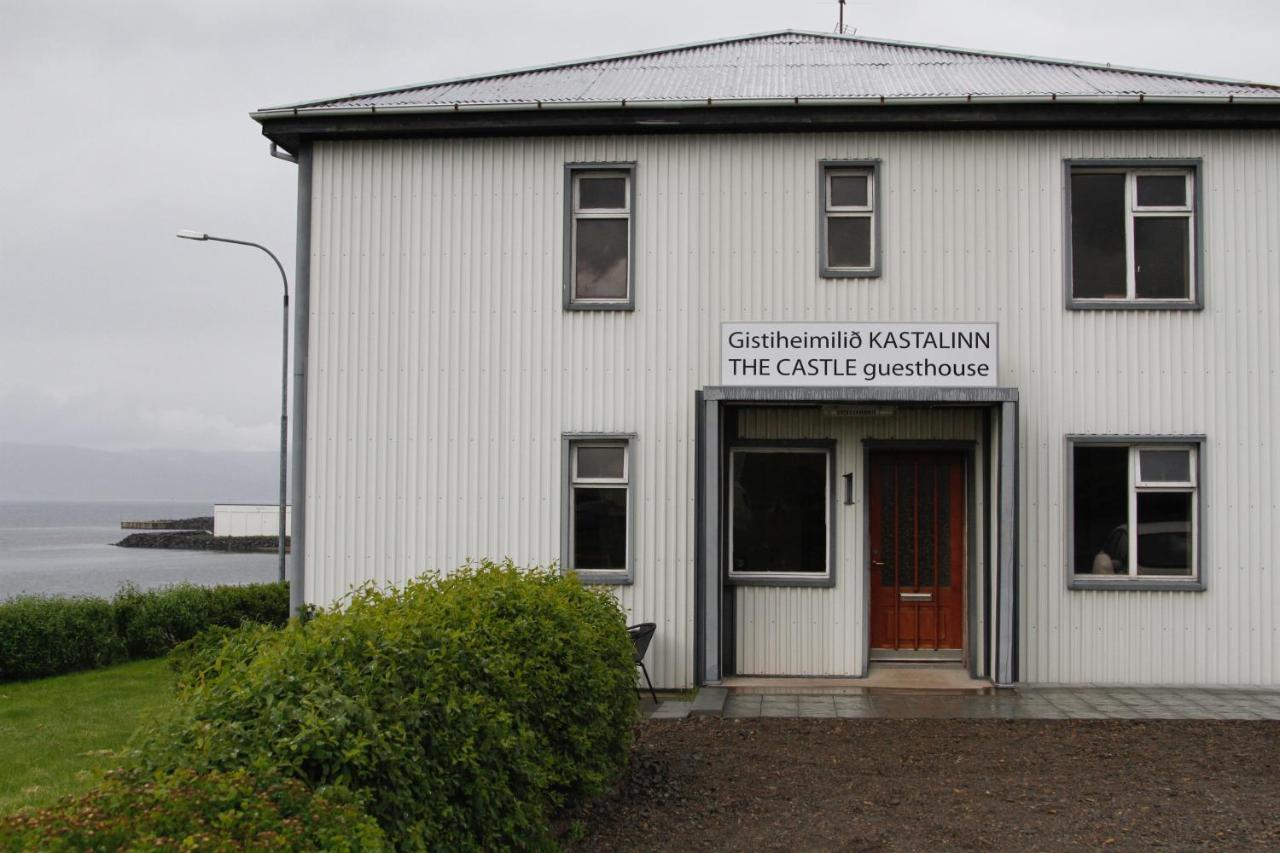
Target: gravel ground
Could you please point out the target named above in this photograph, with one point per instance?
(797, 784)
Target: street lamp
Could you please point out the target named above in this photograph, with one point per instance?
(284, 373)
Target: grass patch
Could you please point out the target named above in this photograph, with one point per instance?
(57, 733)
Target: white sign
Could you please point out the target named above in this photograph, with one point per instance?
(950, 355)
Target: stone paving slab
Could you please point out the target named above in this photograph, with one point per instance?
(816, 706)
(743, 705)
(854, 707)
(1028, 703)
(780, 706)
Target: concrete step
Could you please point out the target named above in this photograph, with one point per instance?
(709, 702)
(882, 678)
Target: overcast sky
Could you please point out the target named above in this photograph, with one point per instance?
(125, 121)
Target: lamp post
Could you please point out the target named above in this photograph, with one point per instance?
(284, 373)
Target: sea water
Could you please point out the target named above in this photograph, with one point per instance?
(65, 548)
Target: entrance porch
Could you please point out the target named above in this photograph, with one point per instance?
(838, 526)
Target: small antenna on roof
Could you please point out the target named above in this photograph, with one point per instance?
(840, 28)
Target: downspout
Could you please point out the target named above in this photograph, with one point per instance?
(301, 328)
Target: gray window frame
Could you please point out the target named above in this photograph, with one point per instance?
(1198, 583)
(875, 170)
(569, 441)
(827, 579)
(1193, 165)
(571, 172)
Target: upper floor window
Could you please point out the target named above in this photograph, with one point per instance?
(1134, 235)
(600, 233)
(849, 231)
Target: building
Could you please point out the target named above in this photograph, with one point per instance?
(818, 350)
(249, 519)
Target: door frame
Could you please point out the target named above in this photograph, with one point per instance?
(972, 533)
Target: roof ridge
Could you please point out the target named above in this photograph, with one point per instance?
(1050, 60)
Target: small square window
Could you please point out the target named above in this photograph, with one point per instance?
(1165, 466)
(850, 191)
(596, 537)
(602, 192)
(1133, 235)
(849, 242)
(604, 462)
(601, 233)
(1135, 514)
(1162, 191)
(848, 231)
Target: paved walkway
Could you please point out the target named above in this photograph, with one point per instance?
(1033, 703)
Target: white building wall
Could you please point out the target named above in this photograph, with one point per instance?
(444, 370)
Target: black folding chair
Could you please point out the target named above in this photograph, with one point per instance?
(641, 635)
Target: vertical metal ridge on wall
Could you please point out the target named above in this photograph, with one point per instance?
(442, 368)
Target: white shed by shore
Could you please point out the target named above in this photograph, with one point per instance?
(249, 519)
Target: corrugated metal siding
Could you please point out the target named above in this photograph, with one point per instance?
(794, 631)
(443, 369)
(798, 65)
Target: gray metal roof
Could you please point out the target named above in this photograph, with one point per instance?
(791, 66)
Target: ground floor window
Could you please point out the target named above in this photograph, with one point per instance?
(1135, 511)
(780, 509)
(598, 507)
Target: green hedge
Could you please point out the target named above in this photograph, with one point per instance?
(463, 710)
(153, 622)
(45, 635)
(189, 811)
(42, 635)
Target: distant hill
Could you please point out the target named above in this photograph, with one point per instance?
(36, 472)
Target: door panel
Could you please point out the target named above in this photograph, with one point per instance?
(917, 525)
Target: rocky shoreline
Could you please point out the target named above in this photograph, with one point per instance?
(201, 540)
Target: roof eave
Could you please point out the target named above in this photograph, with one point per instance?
(703, 103)
(294, 130)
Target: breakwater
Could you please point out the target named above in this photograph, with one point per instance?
(199, 540)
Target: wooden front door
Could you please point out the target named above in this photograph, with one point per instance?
(917, 529)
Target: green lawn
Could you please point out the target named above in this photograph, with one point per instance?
(56, 732)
